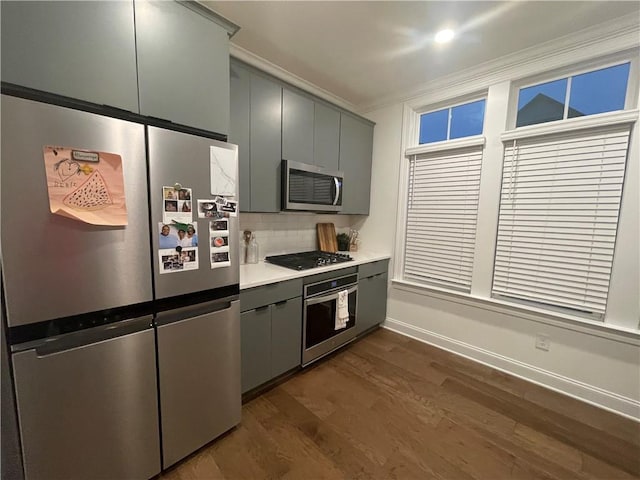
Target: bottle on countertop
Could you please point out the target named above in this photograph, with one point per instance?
(252, 250)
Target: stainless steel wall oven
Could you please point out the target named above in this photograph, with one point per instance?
(320, 331)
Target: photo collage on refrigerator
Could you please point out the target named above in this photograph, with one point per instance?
(178, 232)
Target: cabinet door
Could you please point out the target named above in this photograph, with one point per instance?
(255, 328)
(356, 145)
(239, 129)
(297, 127)
(372, 302)
(326, 139)
(286, 335)
(83, 50)
(266, 132)
(183, 66)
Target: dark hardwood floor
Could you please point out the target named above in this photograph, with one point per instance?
(389, 407)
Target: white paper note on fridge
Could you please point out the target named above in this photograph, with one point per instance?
(224, 171)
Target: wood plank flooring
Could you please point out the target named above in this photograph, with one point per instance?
(389, 407)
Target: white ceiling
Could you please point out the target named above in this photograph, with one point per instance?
(361, 51)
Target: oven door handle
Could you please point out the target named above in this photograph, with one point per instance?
(333, 296)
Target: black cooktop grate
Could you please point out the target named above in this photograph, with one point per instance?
(306, 260)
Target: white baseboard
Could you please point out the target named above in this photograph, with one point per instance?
(588, 393)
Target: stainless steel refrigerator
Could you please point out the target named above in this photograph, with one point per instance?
(119, 370)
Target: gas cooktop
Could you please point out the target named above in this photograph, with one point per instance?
(306, 260)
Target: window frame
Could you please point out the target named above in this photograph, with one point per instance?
(411, 138)
(450, 106)
(573, 70)
(500, 88)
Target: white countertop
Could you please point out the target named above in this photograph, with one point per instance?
(257, 274)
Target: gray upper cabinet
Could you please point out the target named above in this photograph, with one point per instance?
(326, 140)
(183, 66)
(310, 131)
(297, 127)
(239, 131)
(265, 144)
(271, 121)
(356, 144)
(83, 50)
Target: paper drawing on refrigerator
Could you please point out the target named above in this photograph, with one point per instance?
(86, 186)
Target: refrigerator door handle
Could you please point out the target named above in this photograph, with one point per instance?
(69, 341)
(190, 311)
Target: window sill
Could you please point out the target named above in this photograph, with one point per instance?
(476, 140)
(572, 124)
(570, 322)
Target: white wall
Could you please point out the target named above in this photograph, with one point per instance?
(595, 363)
(378, 230)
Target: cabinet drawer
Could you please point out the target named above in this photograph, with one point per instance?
(268, 294)
(373, 268)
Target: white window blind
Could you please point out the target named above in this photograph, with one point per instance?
(558, 218)
(441, 217)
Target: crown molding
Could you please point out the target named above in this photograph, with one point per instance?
(209, 14)
(610, 37)
(276, 71)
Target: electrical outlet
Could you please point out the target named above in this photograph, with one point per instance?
(543, 342)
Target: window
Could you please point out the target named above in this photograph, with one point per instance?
(558, 218)
(453, 122)
(441, 217)
(593, 92)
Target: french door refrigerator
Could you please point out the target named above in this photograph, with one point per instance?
(119, 370)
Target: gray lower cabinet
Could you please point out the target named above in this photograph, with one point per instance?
(271, 331)
(183, 65)
(286, 335)
(255, 335)
(372, 295)
(356, 148)
(83, 50)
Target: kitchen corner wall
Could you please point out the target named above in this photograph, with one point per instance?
(288, 232)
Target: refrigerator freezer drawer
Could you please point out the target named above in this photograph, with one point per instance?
(199, 373)
(90, 411)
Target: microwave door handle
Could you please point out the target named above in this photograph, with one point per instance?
(335, 200)
(333, 296)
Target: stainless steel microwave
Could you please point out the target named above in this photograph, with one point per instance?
(307, 187)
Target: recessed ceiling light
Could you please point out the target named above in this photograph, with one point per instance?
(444, 36)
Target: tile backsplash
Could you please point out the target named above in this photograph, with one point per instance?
(278, 233)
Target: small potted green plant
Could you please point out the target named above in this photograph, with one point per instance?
(343, 242)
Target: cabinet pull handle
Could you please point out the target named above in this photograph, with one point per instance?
(264, 307)
(282, 302)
